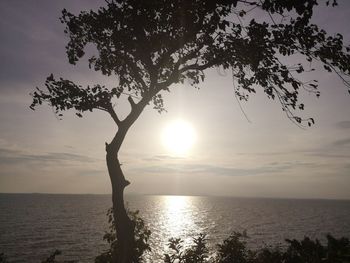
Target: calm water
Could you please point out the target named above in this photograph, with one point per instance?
(32, 226)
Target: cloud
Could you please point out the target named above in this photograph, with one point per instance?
(10, 156)
(162, 157)
(330, 149)
(346, 169)
(279, 153)
(93, 172)
(208, 169)
(343, 125)
(342, 142)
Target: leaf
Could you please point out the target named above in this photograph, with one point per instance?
(326, 67)
(295, 85)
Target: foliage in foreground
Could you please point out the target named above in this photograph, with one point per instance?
(142, 234)
(234, 249)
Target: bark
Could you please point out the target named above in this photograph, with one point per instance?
(124, 226)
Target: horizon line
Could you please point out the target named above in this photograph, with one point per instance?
(189, 195)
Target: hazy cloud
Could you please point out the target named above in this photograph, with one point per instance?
(219, 170)
(162, 157)
(330, 155)
(9, 156)
(343, 124)
(327, 150)
(341, 142)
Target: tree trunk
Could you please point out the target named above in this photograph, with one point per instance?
(124, 226)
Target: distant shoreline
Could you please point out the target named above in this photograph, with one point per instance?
(211, 196)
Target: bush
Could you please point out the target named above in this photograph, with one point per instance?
(197, 253)
(142, 234)
(234, 250)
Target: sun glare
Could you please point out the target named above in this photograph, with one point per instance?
(178, 215)
(178, 137)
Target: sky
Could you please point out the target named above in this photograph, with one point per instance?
(267, 156)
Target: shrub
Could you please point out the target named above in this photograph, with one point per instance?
(234, 250)
(142, 234)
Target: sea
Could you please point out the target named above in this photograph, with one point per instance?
(32, 226)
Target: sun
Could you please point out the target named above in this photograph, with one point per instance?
(178, 137)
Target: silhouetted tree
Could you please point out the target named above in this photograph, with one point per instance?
(151, 45)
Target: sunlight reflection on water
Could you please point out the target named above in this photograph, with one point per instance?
(178, 216)
(32, 225)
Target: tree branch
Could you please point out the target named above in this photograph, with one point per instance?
(199, 67)
(113, 114)
(131, 101)
(125, 124)
(136, 73)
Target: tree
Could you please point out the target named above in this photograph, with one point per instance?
(151, 45)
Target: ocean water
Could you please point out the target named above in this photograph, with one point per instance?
(34, 225)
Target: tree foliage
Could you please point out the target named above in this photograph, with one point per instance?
(142, 235)
(197, 253)
(150, 45)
